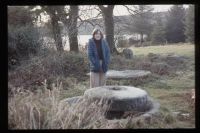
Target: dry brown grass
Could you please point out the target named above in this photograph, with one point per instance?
(45, 110)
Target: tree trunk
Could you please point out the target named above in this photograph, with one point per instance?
(56, 34)
(109, 29)
(141, 39)
(109, 26)
(55, 28)
(72, 28)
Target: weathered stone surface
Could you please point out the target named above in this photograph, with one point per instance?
(114, 74)
(122, 101)
(141, 115)
(120, 98)
(73, 100)
(128, 53)
(154, 109)
(127, 73)
(174, 60)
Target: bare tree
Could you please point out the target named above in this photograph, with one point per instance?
(69, 19)
(84, 15)
(52, 12)
(141, 23)
(109, 25)
(72, 28)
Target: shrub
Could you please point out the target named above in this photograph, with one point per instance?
(24, 40)
(23, 37)
(147, 43)
(133, 41)
(49, 66)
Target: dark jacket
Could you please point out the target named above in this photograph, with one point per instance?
(94, 58)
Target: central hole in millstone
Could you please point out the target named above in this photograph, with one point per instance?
(115, 88)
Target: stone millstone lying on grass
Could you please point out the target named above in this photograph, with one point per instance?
(174, 60)
(128, 53)
(123, 100)
(140, 115)
(114, 74)
(120, 98)
(73, 100)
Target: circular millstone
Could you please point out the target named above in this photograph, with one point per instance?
(114, 74)
(73, 100)
(120, 98)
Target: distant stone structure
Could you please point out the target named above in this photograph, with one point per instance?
(126, 74)
(128, 53)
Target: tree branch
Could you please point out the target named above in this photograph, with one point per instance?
(102, 8)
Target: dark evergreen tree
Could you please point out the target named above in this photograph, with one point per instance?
(158, 34)
(23, 36)
(142, 21)
(175, 24)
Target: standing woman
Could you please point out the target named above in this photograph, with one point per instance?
(99, 58)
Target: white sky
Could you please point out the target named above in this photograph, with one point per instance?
(121, 10)
(118, 11)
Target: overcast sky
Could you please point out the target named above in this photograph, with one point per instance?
(121, 10)
(118, 11)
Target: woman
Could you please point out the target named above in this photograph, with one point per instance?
(99, 58)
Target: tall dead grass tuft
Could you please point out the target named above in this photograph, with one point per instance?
(44, 110)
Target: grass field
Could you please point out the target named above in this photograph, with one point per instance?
(180, 49)
(171, 91)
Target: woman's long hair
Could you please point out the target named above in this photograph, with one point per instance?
(95, 31)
